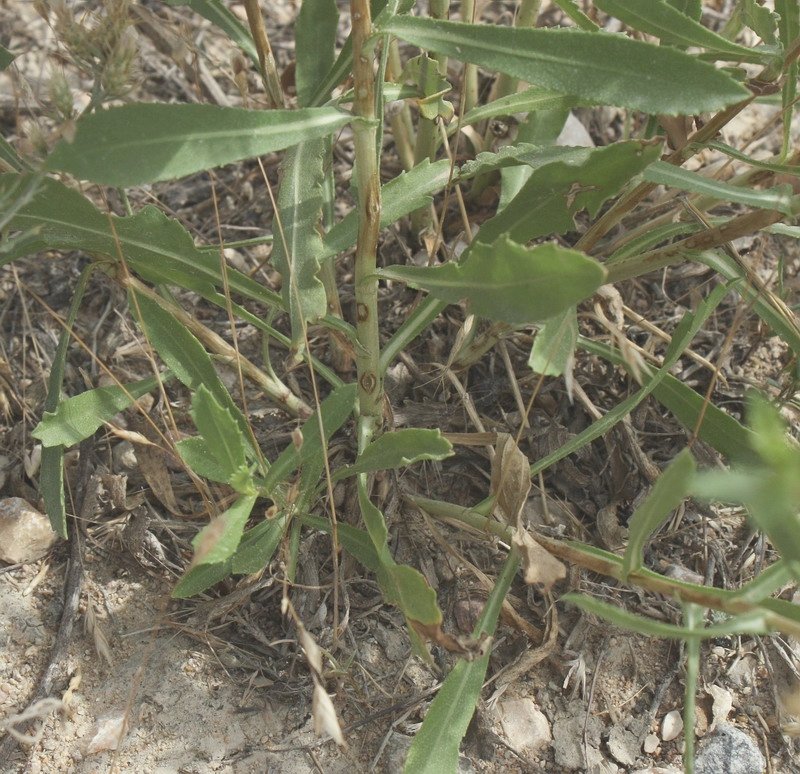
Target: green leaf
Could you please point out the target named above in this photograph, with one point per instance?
(436, 745)
(78, 418)
(258, 546)
(6, 57)
(219, 430)
(770, 488)
(505, 281)
(666, 495)
(604, 68)
(658, 18)
(297, 245)
(356, 542)
(135, 144)
(156, 247)
(226, 20)
(402, 586)
(553, 349)
(533, 99)
(314, 44)
(788, 32)
(51, 488)
(335, 411)
(195, 452)
(548, 202)
(403, 194)
(183, 353)
(778, 198)
(760, 19)
(755, 622)
(691, 8)
(682, 337)
(217, 541)
(571, 10)
(199, 578)
(399, 448)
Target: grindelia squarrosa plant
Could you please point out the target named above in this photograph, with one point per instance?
(570, 223)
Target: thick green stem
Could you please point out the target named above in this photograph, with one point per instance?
(370, 379)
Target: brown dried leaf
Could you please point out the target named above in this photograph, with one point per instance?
(511, 477)
(539, 564)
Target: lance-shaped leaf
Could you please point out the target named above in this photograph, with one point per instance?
(258, 545)
(605, 68)
(779, 198)
(402, 586)
(197, 454)
(508, 282)
(220, 431)
(403, 194)
(77, 418)
(667, 494)
(6, 57)
(143, 143)
(656, 17)
(297, 245)
(315, 44)
(402, 447)
(334, 410)
(436, 746)
(556, 192)
(156, 247)
(183, 354)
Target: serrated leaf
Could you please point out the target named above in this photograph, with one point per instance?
(217, 541)
(399, 448)
(226, 20)
(605, 68)
(78, 417)
(666, 495)
(548, 202)
(143, 143)
(219, 430)
(691, 8)
(760, 19)
(297, 246)
(553, 351)
(506, 281)
(196, 453)
(658, 18)
(156, 247)
(778, 198)
(405, 193)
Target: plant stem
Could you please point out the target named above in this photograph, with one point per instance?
(365, 137)
(269, 70)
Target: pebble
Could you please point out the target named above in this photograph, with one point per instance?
(728, 751)
(524, 725)
(25, 534)
(651, 742)
(671, 726)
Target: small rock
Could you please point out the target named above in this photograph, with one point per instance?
(623, 745)
(25, 534)
(651, 742)
(524, 725)
(671, 726)
(728, 751)
(107, 733)
(575, 133)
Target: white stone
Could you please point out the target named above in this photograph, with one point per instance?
(671, 726)
(651, 742)
(25, 534)
(524, 725)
